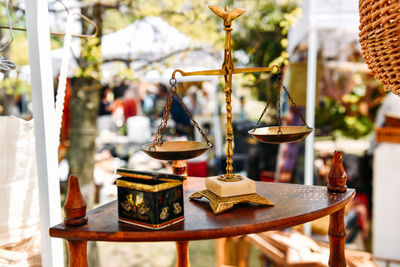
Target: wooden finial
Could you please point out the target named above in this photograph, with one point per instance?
(337, 175)
(75, 205)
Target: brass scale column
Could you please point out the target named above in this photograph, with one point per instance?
(227, 66)
(221, 204)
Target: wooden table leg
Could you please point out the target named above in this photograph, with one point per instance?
(337, 233)
(232, 251)
(182, 254)
(243, 251)
(77, 251)
(337, 237)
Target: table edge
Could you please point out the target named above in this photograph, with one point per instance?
(186, 235)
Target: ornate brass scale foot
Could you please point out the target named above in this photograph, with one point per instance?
(229, 189)
(221, 204)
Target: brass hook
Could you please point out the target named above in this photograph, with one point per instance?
(84, 18)
(9, 26)
(177, 70)
(96, 31)
(6, 64)
(62, 3)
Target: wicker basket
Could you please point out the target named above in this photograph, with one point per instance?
(379, 38)
(388, 134)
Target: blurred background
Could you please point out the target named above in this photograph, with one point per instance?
(117, 85)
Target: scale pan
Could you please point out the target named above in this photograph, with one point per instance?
(289, 134)
(176, 150)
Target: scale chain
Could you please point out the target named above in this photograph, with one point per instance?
(158, 139)
(292, 103)
(265, 108)
(278, 103)
(209, 143)
(262, 114)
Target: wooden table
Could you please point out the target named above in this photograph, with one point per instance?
(294, 204)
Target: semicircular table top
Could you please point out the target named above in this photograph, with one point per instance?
(294, 204)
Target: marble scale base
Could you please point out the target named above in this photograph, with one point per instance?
(223, 195)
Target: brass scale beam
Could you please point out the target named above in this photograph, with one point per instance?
(227, 70)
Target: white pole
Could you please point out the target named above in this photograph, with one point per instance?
(45, 128)
(310, 105)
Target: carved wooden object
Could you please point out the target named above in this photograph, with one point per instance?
(337, 233)
(337, 175)
(75, 205)
(75, 215)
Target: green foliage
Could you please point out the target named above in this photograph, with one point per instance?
(14, 86)
(90, 60)
(19, 50)
(190, 17)
(332, 118)
(347, 111)
(357, 126)
(114, 20)
(262, 34)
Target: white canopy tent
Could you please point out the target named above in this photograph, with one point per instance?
(143, 45)
(147, 38)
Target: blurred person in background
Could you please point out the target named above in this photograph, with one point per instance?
(148, 103)
(131, 101)
(106, 101)
(242, 113)
(105, 121)
(194, 100)
(181, 119)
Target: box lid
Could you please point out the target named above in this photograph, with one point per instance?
(150, 175)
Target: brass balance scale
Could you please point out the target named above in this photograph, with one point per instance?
(226, 190)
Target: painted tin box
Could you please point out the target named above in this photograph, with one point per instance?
(152, 200)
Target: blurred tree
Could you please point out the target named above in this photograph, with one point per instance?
(84, 103)
(262, 34)
(259, 33)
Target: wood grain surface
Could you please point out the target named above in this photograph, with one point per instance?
(294, 204)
